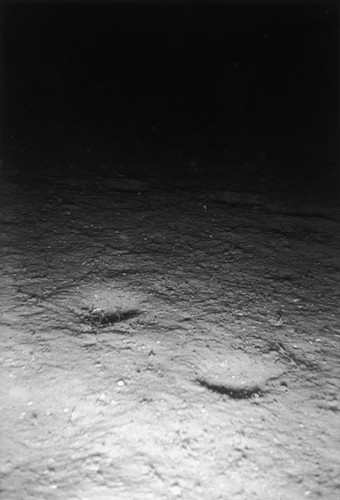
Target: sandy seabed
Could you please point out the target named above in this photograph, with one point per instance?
(165, 338)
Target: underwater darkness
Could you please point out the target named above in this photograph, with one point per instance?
(243, 78)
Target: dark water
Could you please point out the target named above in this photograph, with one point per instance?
(222, 92)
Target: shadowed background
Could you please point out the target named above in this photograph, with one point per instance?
(188, 79)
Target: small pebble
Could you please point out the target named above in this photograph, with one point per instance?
(176, 489)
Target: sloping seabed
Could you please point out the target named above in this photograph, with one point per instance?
(165, 339)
